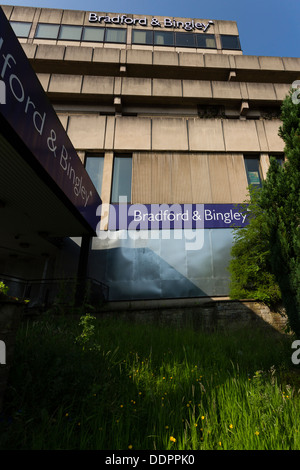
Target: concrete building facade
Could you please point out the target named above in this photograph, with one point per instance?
(172, 122)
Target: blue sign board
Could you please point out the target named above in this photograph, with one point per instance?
(175, 216)
(26, 108)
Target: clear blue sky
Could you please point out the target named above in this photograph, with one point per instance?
(266, 27)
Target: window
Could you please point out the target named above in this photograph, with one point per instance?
(70, 33)
(122, 174)
(253, 171)
(117, 35)
(94, 167)
(20, 29)
(93, 34)
(47, 31)
(230, 42)
(185, 39)
(163, 38)
(142, 37)
(206, 41)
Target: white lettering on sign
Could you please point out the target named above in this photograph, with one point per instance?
(11, 85)
(167, 22)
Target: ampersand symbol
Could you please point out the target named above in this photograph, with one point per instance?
(155, 22)
(51, 140)
(196, 215)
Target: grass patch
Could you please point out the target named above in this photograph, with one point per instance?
(113, 385)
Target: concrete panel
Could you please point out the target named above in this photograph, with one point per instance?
(64, 120)
(169, 134)
(49, 15)
(7, 10)
(141, 178)
(200, 179)
(73, 17)
(44, 79)
(165, 58)
(74, 53)
(261, 91)
(228, 90)
(30, 50)
(262, 136)
(227, 27)
(132, 133)
(240, 136)
(219, 179)
(196, 89)
(271, 63)
(65, 83)
(136, 86)
(87, 131)
(191, 59)
(109, 132)
(291, 63)
(161, 179)
(165, 87)
(237, 177)
(106, 55)
(216, 60)
(282, 90)
(23, 14)
(181, 179)
(246, 62)
(98, 85)
(205, 135)
(139, 57)
(48, 52)
(275, 143)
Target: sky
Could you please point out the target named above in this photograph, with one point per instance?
(266, 27)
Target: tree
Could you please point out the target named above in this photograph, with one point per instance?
(250, 269)
(265, 261)
(280, 201)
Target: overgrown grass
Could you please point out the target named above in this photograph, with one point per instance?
(114, 385)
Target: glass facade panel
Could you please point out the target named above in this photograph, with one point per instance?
(253, 171)
(206, 41)
(122, 175)
(115, 35)
(94, 167)
(230, 42)
(185, 39)
(93, 34)
(47, 31)
(21, 30)
(142, 37)
(70, 33)
(163, 38)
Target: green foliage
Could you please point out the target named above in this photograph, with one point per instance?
(280, 200)
(250, 270)
(3, 289)
(151, 387)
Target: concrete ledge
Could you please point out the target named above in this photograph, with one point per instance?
(208, 313)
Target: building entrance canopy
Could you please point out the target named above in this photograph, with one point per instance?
(39, 166)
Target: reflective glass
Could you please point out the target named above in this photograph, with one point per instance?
(70, 33)
(206, 40)
(122, 175)
(115, 35)
(230, 42)
(163, 38)
(47, 31)
(93, 34)
(21, 30)
(185, 39)
(142, 37)
(94, 167)
(253, 171)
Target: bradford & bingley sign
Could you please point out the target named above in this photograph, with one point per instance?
(26, 108)
(154, 22)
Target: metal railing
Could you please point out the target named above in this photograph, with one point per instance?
(57, 291)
